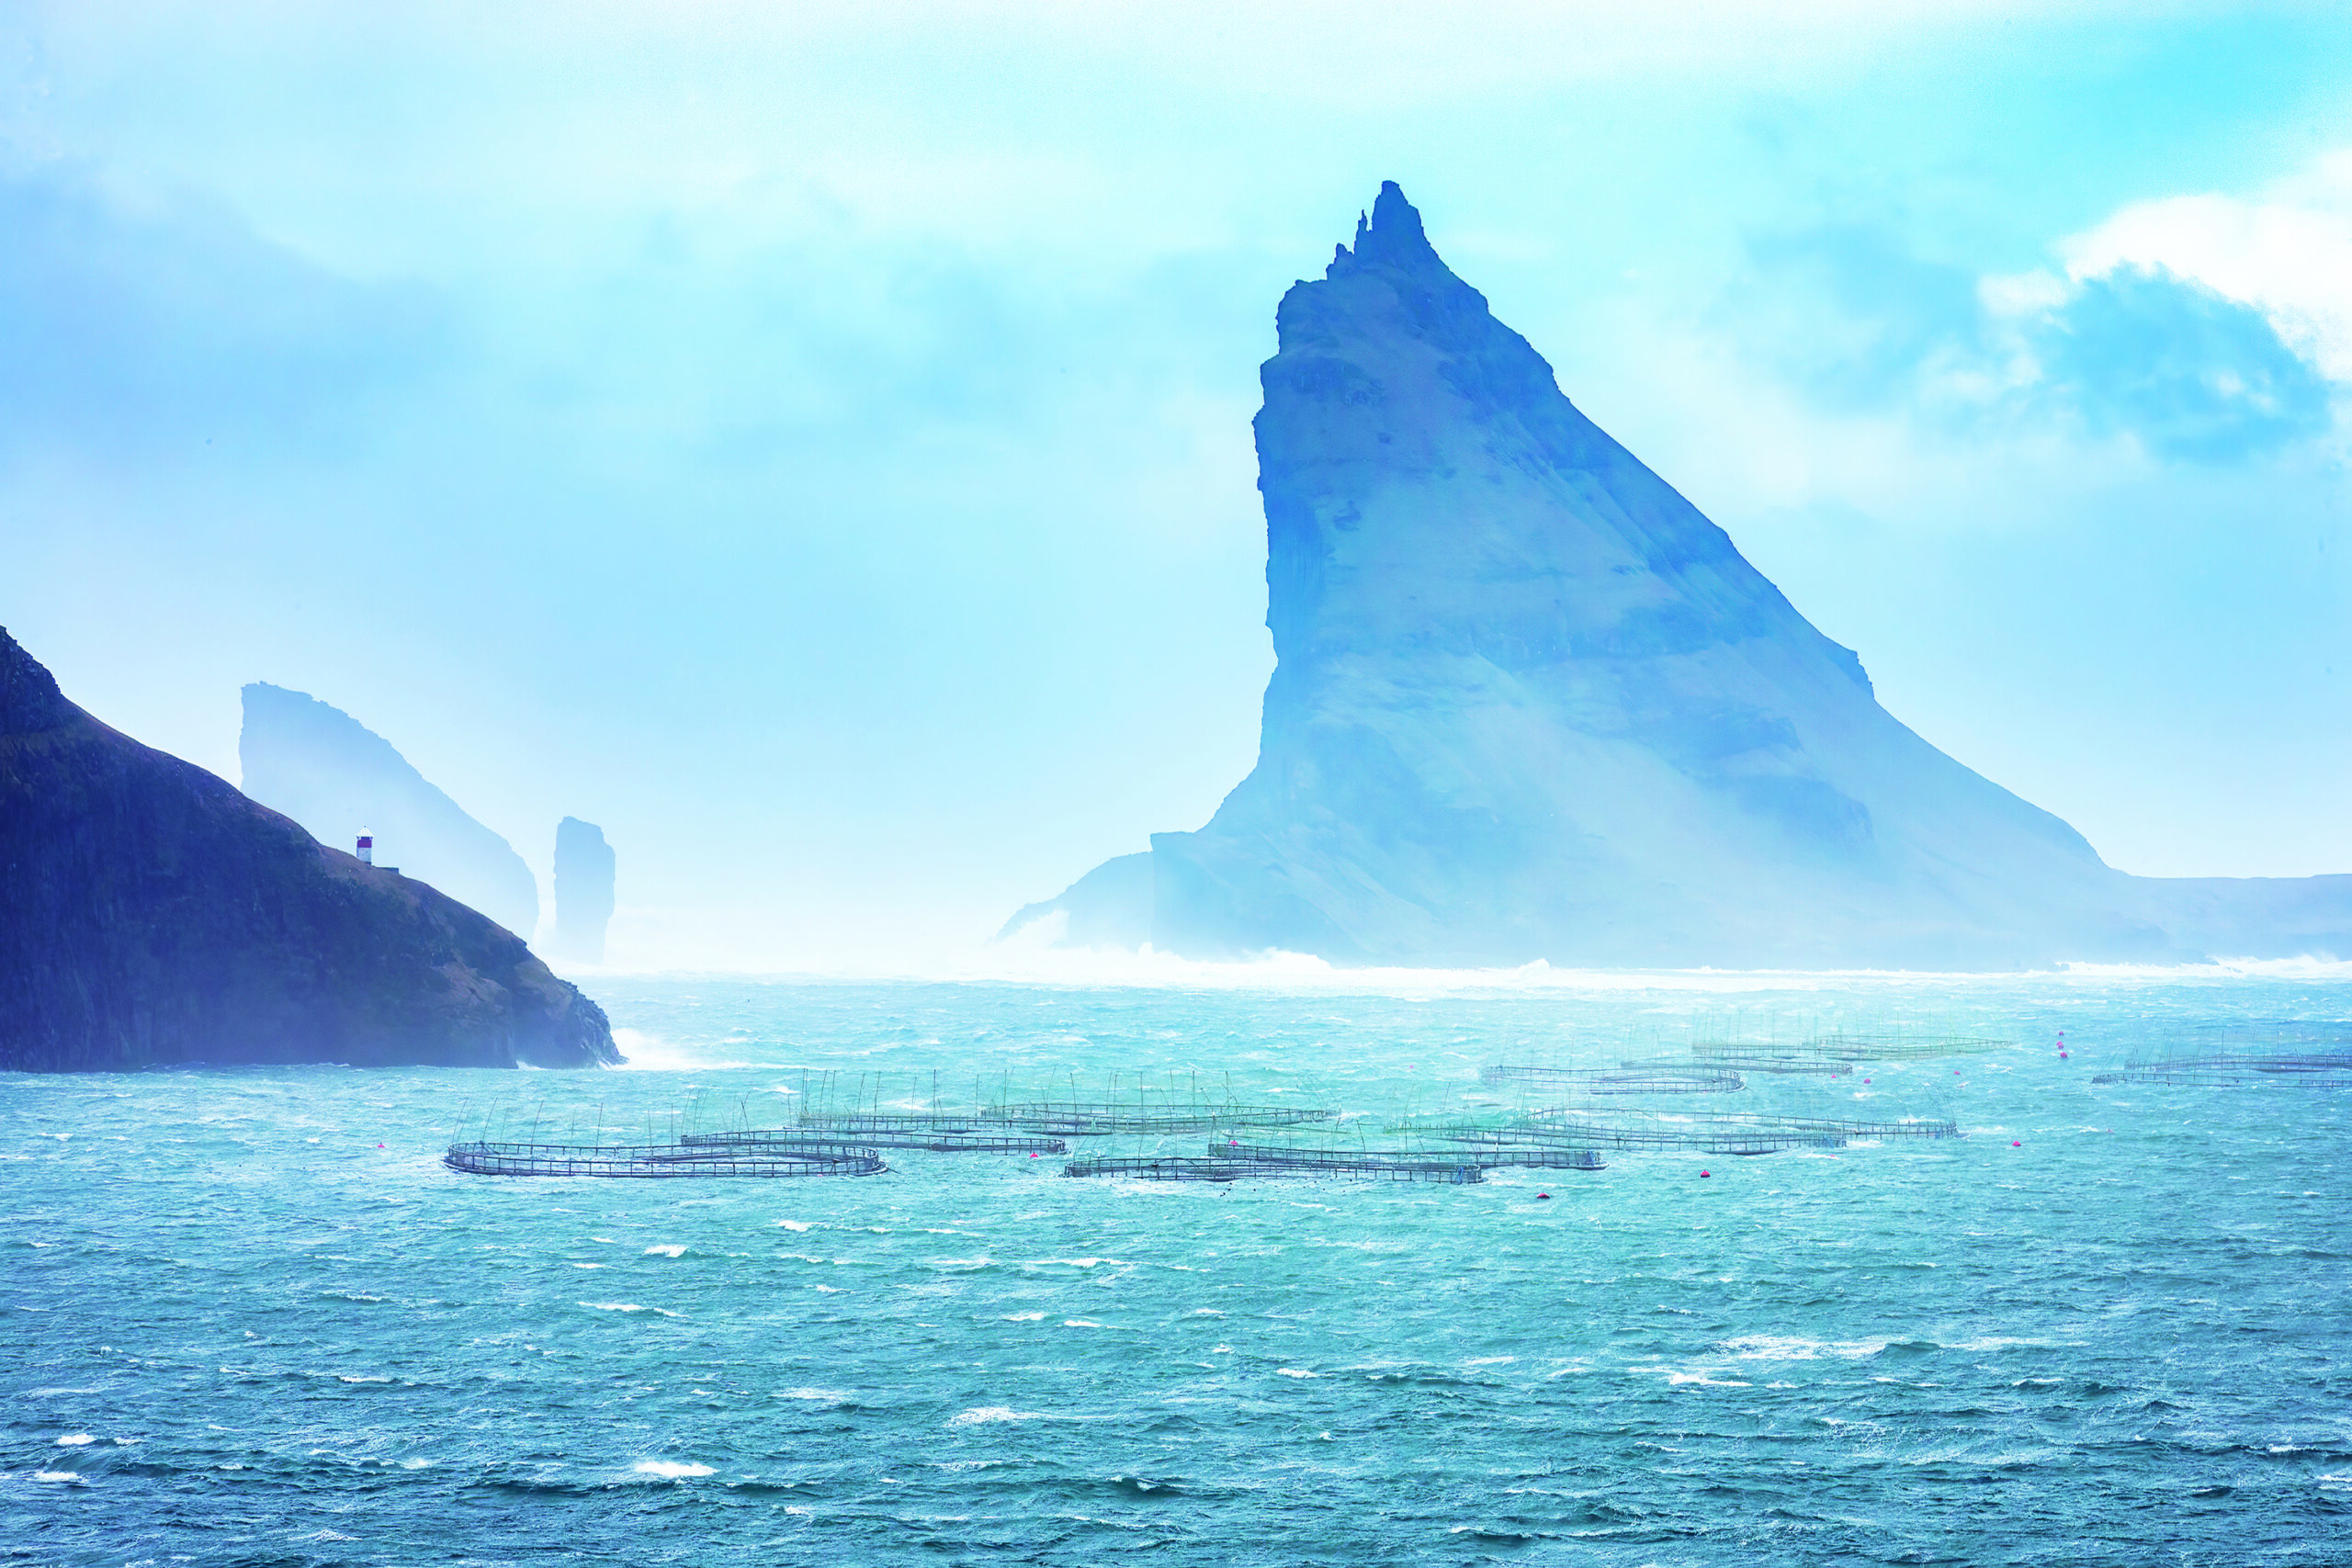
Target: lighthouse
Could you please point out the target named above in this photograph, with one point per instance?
(367, 850)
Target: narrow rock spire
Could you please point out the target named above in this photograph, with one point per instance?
(1393, 236)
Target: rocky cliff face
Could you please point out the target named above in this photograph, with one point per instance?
(152, 915)
(583, 892)
(339, 779)
(1530, 704)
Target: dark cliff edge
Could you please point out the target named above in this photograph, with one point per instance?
(152, 915)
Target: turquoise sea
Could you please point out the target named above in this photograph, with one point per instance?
(250, 1319)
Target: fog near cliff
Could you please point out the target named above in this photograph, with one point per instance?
(817, 452)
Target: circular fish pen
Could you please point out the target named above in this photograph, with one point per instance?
(1716, 1123)
(1635, 1078)
(930, 1141)
(1727, 1132)
(1901, 1047)
(1531, 1158)
(1739, 1058)
(1068, 1119)
(1110, 1119)
(659, 1162)
(2329, 1069)
(865, 1121)
(1195, 1167)
(1590, 1135)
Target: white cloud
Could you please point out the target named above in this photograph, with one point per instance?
(2285, 251)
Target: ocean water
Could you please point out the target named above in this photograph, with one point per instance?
(250, 1319)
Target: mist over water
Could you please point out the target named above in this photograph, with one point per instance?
(2106, 1326)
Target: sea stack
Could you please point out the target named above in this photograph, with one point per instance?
(151, 915)
(338, 778)
(1529, 704)
(583, 892)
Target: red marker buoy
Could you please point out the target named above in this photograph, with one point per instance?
(1545, 1196)
(2015, 1144)
(1704, 1175)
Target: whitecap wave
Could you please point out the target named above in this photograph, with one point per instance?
(987, 1415)
(1789, 1347)
(669, 1469)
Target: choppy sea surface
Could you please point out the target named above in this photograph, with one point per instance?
(251, 1318)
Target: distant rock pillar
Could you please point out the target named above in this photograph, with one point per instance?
(583, 892)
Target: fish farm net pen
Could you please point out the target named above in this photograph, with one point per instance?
(1066, 1121)
(1753, 1059)
(891, 1121)
(1534, 1158)
(1902, 1048)
(2213, 1077)
(665, 1162)
(2268, 1061)
(930, 1141)
(1193, 1168)
(722, 1147)
(674, 1153)
(1104, 1118)
(1701, 1141)
(1634, 1079)
(1719, 1121)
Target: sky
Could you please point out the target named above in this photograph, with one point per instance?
(812, 442)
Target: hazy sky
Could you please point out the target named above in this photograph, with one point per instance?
(812, 441)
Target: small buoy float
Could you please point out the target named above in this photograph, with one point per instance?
(2015, 1144)
(1545, 1196)
(1704, 1174)
(380, 1145)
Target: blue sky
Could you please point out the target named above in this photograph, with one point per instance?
(813, 442)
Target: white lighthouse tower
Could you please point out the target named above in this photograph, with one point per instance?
(367, 850)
